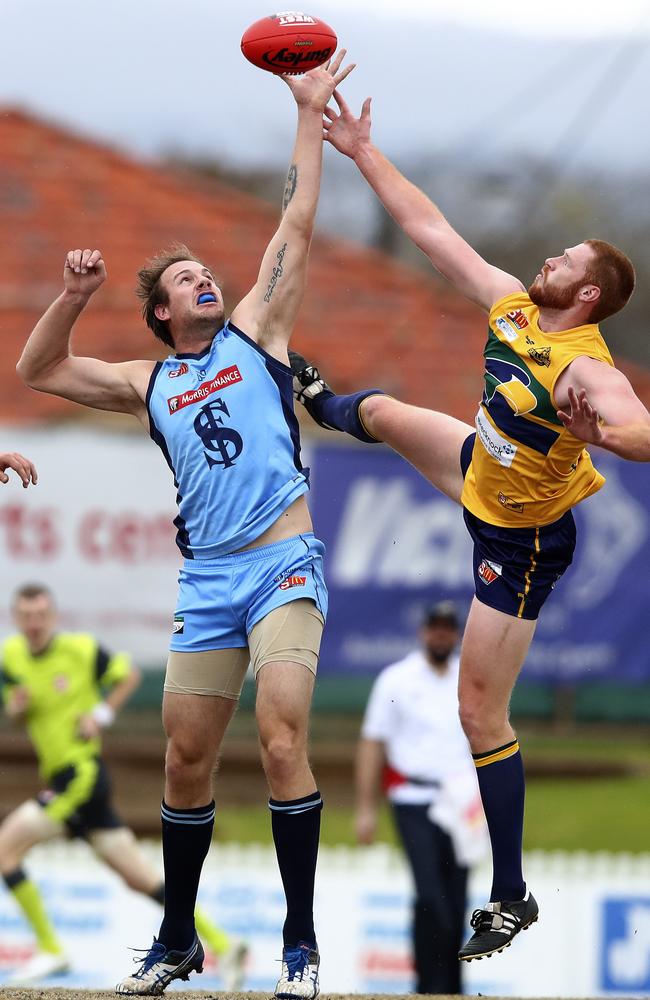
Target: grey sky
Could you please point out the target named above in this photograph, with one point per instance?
(154, 75)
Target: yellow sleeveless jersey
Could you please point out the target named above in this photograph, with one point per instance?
(63, 682)
(526, 468)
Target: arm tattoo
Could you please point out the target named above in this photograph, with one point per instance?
(276, 273)
(290, 186)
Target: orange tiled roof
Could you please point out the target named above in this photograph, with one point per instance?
(366, 319)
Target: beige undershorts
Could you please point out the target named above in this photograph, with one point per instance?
(290, 633)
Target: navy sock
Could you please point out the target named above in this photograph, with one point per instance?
(186, 836)
(500, 775)
(296, 831)
(342, 412)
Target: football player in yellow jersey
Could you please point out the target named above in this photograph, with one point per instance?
(66, 688)
(517, 472)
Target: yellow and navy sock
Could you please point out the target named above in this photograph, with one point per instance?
(341, 413)
(28, 897)
(500, 775)
(296, 832)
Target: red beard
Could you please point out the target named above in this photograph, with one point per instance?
(554, 298)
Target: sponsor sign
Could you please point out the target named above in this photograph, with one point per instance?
(177, 372)
(517, 317)
(223, 379)
(506, 329)
(395, 545)
(489, 571)
(626, 945)
(494, 443)
(293, 581)
(293, 17)
(510, 503)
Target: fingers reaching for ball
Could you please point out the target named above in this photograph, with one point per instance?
(315, 88)
(345, 132)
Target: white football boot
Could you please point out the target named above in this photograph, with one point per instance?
(299, 976)
(159, 967)
(41, 965)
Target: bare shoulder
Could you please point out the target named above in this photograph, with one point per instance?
(584, 370)
(138, 374)
(592, 375)
(502, 286)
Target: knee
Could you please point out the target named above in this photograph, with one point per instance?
(10, 857)
(474, 712)
(27, 825)
(470, 718)
(481, 722)
(186, 761)
(281, 752)
(373, 412)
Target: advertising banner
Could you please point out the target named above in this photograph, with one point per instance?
(98, 530)
(395, 545)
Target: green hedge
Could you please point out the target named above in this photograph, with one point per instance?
(592, 702)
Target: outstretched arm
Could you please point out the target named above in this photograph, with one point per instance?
(417, 215)
(599, 406)
(48, 365)
(269, 311)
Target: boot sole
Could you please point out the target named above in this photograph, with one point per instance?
(497, 951)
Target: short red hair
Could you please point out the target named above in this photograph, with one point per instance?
(613, 273)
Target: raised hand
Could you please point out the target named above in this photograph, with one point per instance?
(315, 88)
(21, 466)
(84, 272)
(581, 419)
(345, 132)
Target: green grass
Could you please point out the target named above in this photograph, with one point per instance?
(611, 743)
(252, 825)
(604, 814)
(610, 814)
(569, 814)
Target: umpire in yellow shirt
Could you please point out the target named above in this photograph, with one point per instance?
(66, 688)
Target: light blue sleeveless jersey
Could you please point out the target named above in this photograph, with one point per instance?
(225, 422)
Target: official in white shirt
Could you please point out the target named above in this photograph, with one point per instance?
(412, 744)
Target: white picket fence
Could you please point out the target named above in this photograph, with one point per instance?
(593, 937)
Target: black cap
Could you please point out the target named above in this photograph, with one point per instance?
(444, 612)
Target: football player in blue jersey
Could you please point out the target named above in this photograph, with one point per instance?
(251, 588)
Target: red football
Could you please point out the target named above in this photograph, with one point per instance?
(289, 42)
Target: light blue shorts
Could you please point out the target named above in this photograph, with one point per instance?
(220, 600)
